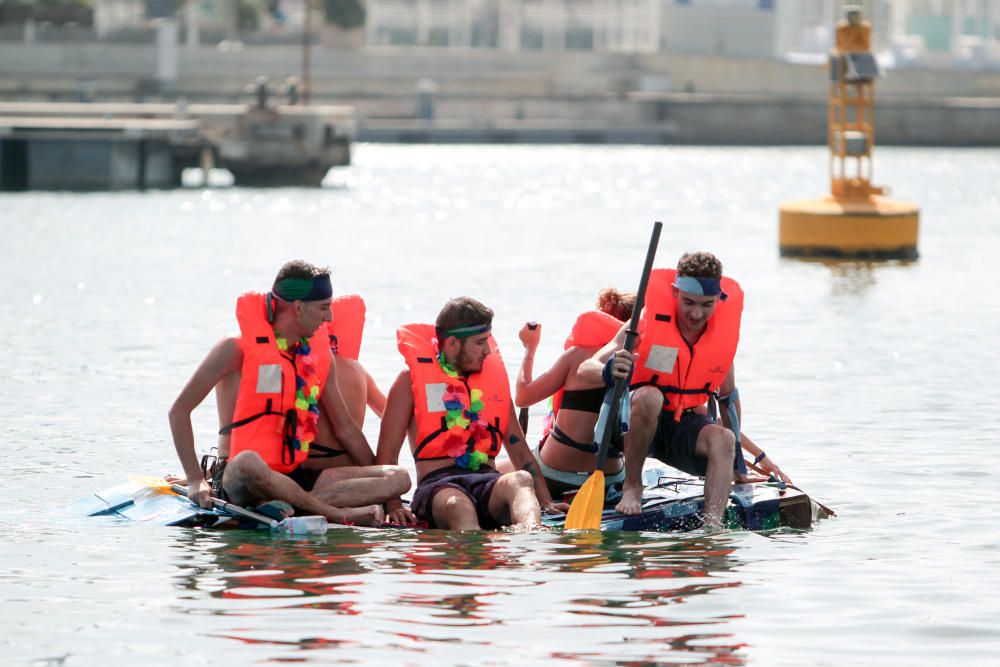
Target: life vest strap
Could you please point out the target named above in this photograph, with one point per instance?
(729, 402)
(430, 438)
(226, 430)
(324, 452)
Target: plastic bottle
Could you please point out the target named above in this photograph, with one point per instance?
(303, 524)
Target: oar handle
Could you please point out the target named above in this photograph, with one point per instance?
(631, 334)
(522, 414)
(232, 509)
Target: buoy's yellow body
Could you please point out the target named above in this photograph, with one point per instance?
(855, 220)
(872, 228)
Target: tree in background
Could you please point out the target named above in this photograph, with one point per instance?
(345, 14)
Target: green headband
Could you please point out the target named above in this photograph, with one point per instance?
(304, 289)
(464, 332)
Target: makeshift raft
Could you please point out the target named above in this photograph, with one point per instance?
(670, 504)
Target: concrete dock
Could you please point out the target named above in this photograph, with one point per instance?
(84, 146)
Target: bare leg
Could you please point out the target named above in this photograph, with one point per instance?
(247, 480)
(718, 445)
(514, 499)
(357, 486)
(453, 510)
(647, 403)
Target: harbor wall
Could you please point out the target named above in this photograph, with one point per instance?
(652, 97)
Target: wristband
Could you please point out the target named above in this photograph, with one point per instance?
(760, 457)
(606, 373)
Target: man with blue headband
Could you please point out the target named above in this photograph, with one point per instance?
(683, 367)
(286, 375)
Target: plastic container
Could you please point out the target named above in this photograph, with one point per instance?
(298, 525)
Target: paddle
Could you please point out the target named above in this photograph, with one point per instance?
(522, 414)
(588, 503)
(293, 524)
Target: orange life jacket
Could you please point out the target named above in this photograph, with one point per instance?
(430, 384)
(347, 326)
(686, 374)
(265, 419)
(593, 328)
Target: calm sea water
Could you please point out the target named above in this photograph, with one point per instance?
(871, 384)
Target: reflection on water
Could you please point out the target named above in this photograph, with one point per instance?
(852, 277)
(582, 595)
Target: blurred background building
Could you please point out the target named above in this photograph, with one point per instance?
(576, 62)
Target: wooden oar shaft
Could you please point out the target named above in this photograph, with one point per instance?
(631, 334)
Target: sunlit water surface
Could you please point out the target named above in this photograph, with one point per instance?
(872, 385)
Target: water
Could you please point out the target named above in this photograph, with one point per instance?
(869, 384)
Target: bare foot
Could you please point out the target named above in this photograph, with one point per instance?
(631, 502)
(369, 515)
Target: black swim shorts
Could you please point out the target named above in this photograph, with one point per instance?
(674, 442)
(477, 486)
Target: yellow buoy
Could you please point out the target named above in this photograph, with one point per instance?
(856, 220)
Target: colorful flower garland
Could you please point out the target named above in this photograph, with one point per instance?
(306, 393)
(465, 427)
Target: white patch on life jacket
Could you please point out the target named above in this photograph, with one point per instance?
(269, 379)
(435, 396)
(661, 358)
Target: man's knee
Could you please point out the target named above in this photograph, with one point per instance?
(647, 403)
(452, 503)
(398, 479)
(720, 443)
(513, 481)
(248, 466)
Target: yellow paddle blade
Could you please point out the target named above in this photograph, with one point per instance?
(157, 483)
(588, 504)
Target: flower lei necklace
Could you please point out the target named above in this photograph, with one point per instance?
(463, 422)
(306, 393)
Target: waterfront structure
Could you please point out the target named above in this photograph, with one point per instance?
(95, 146)
(856, 219)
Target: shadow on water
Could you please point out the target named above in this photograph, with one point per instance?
(622, 598)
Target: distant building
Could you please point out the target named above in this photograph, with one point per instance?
(936, 33)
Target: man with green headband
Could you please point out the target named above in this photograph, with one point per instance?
(683, 369)
(454, 403)
(286, 376)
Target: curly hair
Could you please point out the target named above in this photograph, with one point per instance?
(699, 265)
(616, 304)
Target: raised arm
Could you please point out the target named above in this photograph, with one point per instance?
(528, 392)
(224, 358)
(396, 420)
(348, 433)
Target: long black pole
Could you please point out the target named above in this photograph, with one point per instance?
(630, 336)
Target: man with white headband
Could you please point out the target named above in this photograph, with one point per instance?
(286, 375)
(688, 333)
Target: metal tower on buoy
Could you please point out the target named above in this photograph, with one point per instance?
(855, 220)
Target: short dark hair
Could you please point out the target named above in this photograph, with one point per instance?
(463, 311)
(699, 265)
(299, 268)
(616, 304)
